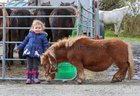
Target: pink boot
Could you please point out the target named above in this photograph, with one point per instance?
(29, 77)
(36, 81)
(28, 81)
(35, 77)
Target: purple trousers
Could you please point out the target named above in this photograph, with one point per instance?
(32, 68)
(32, 64)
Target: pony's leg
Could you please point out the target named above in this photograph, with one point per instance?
(11, 49)
(80, 71)
(8, 49)
(21, 57)
(120, 75)
(117, 28)
(8, 55)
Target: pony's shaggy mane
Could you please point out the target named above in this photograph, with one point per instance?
(67, 42)
(59, 43)
(56, 45)
(72, 40)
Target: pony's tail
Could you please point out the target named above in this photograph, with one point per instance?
(131, 62)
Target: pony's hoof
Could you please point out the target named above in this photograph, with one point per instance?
(48, 78)
(79, 81)
(116, 80)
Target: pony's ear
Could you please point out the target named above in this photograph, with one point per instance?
(73, 2)
(62, 4)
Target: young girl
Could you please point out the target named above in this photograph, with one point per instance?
(34, 44)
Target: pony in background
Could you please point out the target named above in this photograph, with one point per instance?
(18, 34)
(94, 55)
(45, 20)
(114, 16)
(62, 22)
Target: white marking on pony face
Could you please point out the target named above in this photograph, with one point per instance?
(50, 60)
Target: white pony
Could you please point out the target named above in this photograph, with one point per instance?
(114, 17)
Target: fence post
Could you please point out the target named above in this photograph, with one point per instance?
(4, 43)
(97, 27)
(91, 31)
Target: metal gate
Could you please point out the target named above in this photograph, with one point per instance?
(90, 29)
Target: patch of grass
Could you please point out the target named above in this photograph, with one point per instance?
(137, 39)
(110, 34)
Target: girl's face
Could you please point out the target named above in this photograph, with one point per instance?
(37, 29)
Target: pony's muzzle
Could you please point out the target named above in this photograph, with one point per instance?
(48, 78)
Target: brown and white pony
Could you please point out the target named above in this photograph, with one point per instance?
(94, 55)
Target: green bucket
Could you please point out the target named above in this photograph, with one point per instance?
(66, 71)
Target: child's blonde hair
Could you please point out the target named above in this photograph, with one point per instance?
(37, 22)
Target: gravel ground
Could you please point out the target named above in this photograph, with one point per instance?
(97, 84)
(97, 89)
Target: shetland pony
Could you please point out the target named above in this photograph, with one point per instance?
(18, 34)
(113, 17)
(62, 22)
(94, 55)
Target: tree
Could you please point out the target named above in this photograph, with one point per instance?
(111, 4)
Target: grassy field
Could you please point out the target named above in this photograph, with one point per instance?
(109, 34)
